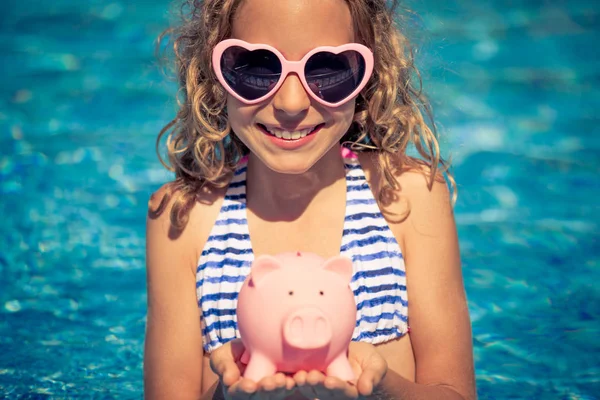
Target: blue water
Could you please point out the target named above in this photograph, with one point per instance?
(516, 89)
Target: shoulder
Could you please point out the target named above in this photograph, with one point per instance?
(164, 233)
(427, 196)
(420, 203)
(415, 182)
(163, 200)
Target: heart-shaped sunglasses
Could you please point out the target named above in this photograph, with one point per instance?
(253, 72)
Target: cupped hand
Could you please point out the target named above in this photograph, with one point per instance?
(226, 363)
(315, 385)
(368, 365)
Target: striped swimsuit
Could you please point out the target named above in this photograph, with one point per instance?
(378, 282)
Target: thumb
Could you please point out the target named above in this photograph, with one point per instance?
(365, 383)
(373, 374)
(223, 362)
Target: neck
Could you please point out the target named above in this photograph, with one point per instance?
(279, 196)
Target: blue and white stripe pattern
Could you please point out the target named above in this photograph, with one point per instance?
(379, 281)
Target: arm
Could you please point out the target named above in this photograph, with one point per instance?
(438, 314)
(435, 361)
(173, 352)
(174, 363)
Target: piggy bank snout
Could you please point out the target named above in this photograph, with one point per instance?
(307, 328)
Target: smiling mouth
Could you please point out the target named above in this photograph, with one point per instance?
(289, 135)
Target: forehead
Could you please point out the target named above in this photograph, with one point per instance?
(294, 27)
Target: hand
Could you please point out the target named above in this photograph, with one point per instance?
(368, 365)
(225, 362)
(315, 385)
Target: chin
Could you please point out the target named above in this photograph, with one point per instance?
(290, 165)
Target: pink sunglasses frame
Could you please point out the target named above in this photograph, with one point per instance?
(292, 66)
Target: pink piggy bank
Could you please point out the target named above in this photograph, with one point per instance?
(296, 311)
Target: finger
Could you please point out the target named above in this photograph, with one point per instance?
(365, 383)
(231, 375)
(223, 362)
(230, 351)
(376, 369)
(274, 382)
(227, 370)
(333, 383)
(289, 383)
(300, 378)
(340, 388)
(243, 387)
(267, 384)
(315, 377)
(248, 385)
(314, 383)
(351, 391)
(279, 380)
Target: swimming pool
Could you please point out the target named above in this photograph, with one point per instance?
(515, 87)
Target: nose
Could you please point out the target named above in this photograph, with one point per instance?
(307, 328)
(291, 98)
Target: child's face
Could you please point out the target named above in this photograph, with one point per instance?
(294, 28)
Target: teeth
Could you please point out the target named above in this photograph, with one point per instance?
(289, 135)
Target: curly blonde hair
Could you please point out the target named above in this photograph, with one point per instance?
(388, 116)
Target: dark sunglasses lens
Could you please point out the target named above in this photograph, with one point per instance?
(251, 74)
(333, 77)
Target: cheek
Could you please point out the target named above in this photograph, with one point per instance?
(239, 114)
(344, 114)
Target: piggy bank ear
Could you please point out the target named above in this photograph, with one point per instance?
(263, 266)
(340, 265)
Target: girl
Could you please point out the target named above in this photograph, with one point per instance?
(292, 136)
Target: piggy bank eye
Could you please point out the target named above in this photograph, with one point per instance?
(321, 293)
(291, 292)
